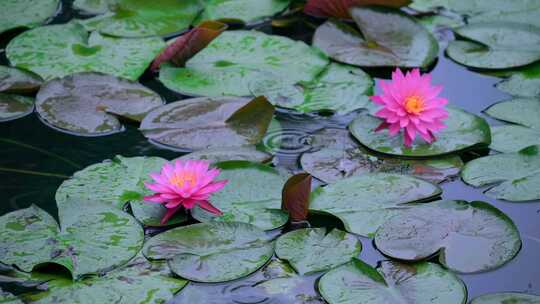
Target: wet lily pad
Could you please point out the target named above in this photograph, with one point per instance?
(365, 202)
(339, 88)
(92, 238)
(474, 7)
(15, 106)
(236, 59)
(469, 237)
(525, 83)
(93, 7)
(392, 282)
(388, 38)
(493, 45)
(13, 80)
(138, 282)
(515, 175)
(212, 252)
(512, 138)
(217, 155)
(507, 298)
(89, 104)
(527, 16)
(252, 195)
(331, 165)
(26, 13)
(56, 51)
(8, 298)
(135, 18)
(203, 123)
(312, 250)
(464, 131)
(247, 11)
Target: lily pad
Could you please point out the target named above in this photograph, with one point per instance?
(513, 138)
(507, 298)
(340, 8)
(312, 250)
(13, 80)
(392, 282)
(464, 131)
(247, 11)
(8, 298)
(525, 83)
(365, 202)
(515, 176)
(92, 238)
(135, 18)
(15, 106)
(236, 59)
(388, 38)
(331, 165)
(56, 51)
(93, 7)
(139, 282)
(212, 252)
(26, 13)
(339, 88)
(150, 215)
(89, 104)
(474, 7)
(527, 16)
(217, 155)
(496, 45)
(204, 123)
(468, 237)
(252, 195)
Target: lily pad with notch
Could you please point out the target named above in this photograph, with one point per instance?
(15, 106)
(26, 13)
(468, 237)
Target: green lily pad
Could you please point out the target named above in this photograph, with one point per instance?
(365, 202)
(252, 195)
(203, 123)
(15, 106)
(507, 298)
(474, 7)
(56, 51)
(464, 131)
(388, 38)
(331, 165)
(236, 59)
(8, 298)
(312, 250)
(515, 176)
(217, 155)
(527, 16)
(247, 11)
(13, 80)
(93, 7)
(496, 45)
(513, 138)
(468, 237)
(139, 282)
(92, 238)
(392, 282)
(26, 13)
(89, 104)
(150, 214)
(339, 88)
(525, 83)
(135, 18)
(212, 252)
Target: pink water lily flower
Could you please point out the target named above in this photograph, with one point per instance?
(185, 184)
(411, 103)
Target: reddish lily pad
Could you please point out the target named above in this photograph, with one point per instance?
(295, 197)
(340, 8)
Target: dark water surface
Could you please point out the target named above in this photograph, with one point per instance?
(35, 159)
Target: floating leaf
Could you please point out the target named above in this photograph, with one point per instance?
(493, 45)
(211, 252)
(134, 18)
(26, 13)
(15, 106)
(527, 16)
(236, 59)
(247, 11)
(56, 51)
(331, 165)
(365, 202)
(312, 250)
(507, 298)
(225, 154)
(340, 8)
(93, 7)
(524, 83)
(515, 175)
(474, 7)
(92, 238)
(252, 195)
(8, 298)
(387, 38)
(13, 80)
(339, 88)
(512, 138)
(89, 104)
(469, 237)
(295, 197)
(150, 215)
(202, 123)
(392, 282)
(464, 131)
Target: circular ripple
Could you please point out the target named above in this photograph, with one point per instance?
(287, 141)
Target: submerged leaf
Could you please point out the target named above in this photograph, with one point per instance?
(340, 8)
(26, 13)
(15, 106)
(295, 197)
(13, 80)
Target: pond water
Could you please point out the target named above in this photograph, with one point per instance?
(35, 159)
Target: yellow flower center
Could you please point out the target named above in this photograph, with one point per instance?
(414, 104)
(180, 179)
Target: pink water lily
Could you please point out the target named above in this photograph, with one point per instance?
(185, 184)
(411, 103)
